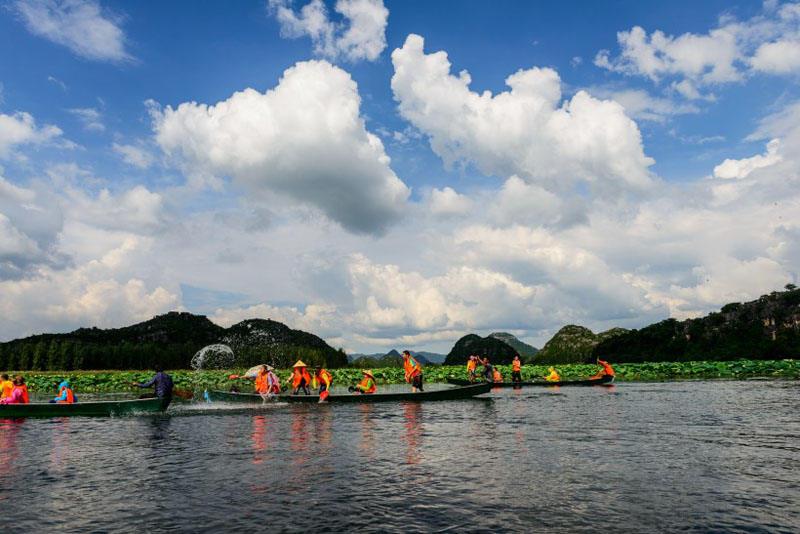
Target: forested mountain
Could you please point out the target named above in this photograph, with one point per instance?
(573, 344)
(528, 351)
(497, 351)
(171, 339)
(763, 329)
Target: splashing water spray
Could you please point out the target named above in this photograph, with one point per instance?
(216, 356)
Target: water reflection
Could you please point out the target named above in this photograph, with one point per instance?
(413, 434)
(367, 444)
(9, 452)
(59, 452)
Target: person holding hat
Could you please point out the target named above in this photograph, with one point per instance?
(300, 378)
(368, 384)
(266, 382)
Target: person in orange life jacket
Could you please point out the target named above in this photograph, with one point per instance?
(413, 371)
(16, 395)
(324, 378)
(66, 396)
(6, 387)
(471, 365)
(516, 369)
(606, 370)
(497, 376)
(488, 370)
(300, 378)
(367, 385)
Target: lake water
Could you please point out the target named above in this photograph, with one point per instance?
(691, 456)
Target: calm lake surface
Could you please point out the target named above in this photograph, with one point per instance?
(690, 456)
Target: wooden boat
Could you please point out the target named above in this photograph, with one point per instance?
(439, 394)
(604, 381)
(92, 408)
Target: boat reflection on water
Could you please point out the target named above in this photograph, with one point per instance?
(258, 438)
(367, 444)
(61, 440)
(9, 452)
(413, 434)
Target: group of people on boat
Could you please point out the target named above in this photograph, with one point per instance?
(267, 383)
(490, 373)
(13, 391)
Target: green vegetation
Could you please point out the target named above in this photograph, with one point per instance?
(90, 381)
(764, 329)
(573, 344)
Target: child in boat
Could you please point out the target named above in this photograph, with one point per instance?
(367, 385)
(19, 384)
(6, 386)
(471, 365)
(16, 395)
(66, 396)
(497, 376)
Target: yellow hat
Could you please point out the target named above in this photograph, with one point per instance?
(299, 364)
(368, 372)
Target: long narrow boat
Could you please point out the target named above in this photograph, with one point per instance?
(438, 394)
(92, 408)
(604, 381)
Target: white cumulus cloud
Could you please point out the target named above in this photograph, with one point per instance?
(80, 25)
(305, 140)
(362, 37)
(527, 131)
(20, 128)
(134, 155)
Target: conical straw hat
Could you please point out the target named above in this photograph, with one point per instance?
(368, 372)
(299, 364)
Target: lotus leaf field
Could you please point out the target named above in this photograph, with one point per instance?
(91, 381)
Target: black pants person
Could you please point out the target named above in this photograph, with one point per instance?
(516, 376)
(303, 384)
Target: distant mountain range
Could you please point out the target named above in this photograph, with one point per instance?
(767, 328)
(424, 357)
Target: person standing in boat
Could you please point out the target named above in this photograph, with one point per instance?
(324, 378)
(65, 394)
(413, 371)
(300, 378)
(471, 365)
(516, 369)
(605, 371)
(163, 384)
(367, 385)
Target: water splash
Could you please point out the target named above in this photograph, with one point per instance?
(217, 356)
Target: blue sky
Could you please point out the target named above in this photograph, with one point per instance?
(326, 165)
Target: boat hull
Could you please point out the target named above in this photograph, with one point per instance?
(98, 408)
(439, 394)
(605, 381)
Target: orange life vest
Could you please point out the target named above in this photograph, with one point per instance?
(70, 396)
(325, 377)
(516, 365)
(261, 383)
(607, 370)
(8, 388)
(367, 385)
(300, 373)
(24, 389)
(412, 367)
(497, 376)
(553, 376)
(471, 365)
